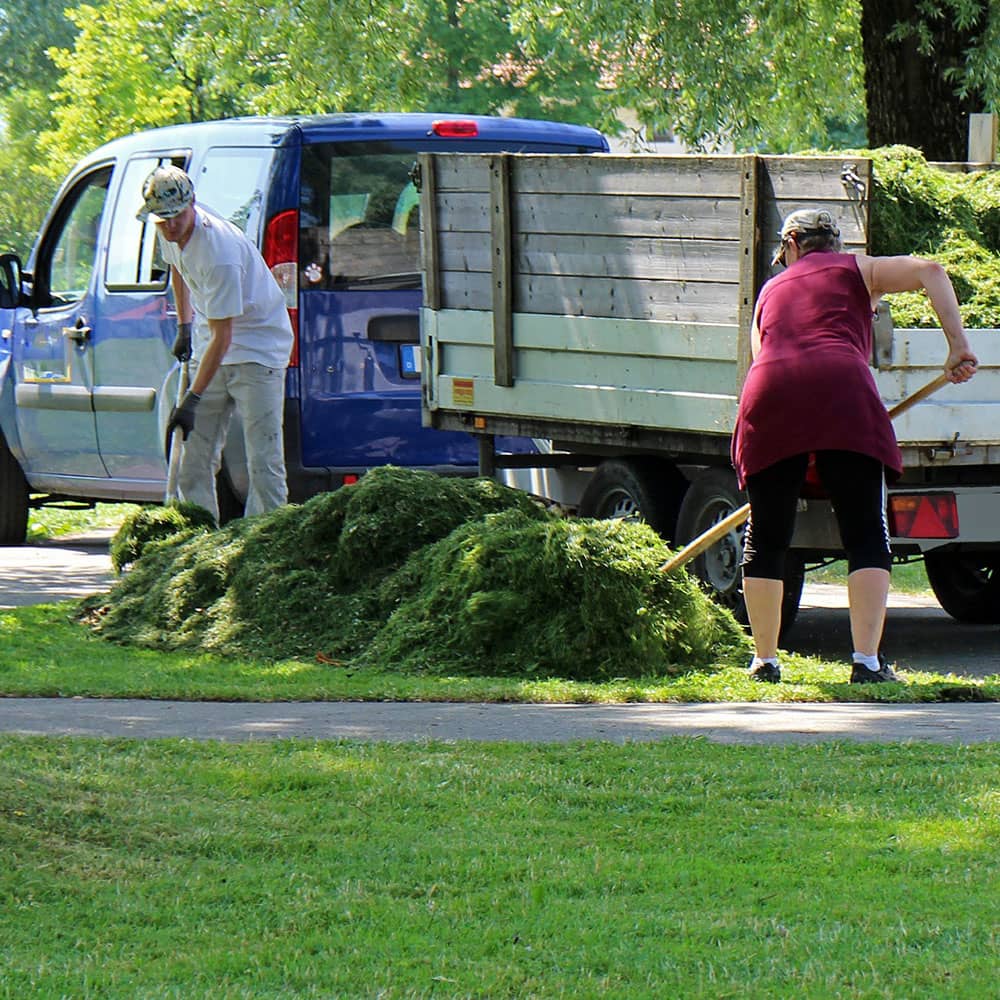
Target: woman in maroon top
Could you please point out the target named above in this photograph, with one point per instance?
(810, 391)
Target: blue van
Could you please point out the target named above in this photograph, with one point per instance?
(86, 374)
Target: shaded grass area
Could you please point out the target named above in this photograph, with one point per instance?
(432, 575)
(70, 518)
(907, 578)
(682, 868)
(47, 652)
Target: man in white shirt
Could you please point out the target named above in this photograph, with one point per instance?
(233, 322)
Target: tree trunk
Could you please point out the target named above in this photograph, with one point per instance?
(908, 98)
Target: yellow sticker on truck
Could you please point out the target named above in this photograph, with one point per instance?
(463, 392)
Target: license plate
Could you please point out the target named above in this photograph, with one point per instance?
(409, 360)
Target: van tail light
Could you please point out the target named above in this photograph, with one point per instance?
(281, 253)
(455, 129)
(923, 515)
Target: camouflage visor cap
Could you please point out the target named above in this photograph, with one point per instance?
(805, 222)
(166, 192)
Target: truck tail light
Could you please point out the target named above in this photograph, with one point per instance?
(923, 515)
(455, 129)
(281, 253)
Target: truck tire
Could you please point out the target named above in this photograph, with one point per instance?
(967, 585)
(13, 498)
(641, 489)
(712, 496)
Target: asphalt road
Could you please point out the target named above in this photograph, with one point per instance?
(918, 634)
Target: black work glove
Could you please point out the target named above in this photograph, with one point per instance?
(182, 417)
(182, 344)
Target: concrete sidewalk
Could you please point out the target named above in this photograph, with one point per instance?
(746, 723)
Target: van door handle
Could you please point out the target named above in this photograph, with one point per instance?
(79, 334)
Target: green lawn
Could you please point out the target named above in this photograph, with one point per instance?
(46, 652)
(907, 578)
(71, 518)
(317, 870)
(296, 869)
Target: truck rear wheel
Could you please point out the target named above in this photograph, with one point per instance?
(712, 497)
(967, 584)
(13, 498)
(641, 489)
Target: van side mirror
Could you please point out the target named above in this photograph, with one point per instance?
(10, 281)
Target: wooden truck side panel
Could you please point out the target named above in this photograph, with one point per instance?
(609, 291)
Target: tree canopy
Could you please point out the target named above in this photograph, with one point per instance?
(198, 59)
(753, 74)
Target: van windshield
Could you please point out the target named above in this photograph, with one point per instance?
(359, 217)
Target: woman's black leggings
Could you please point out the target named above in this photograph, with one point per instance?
(856, 485)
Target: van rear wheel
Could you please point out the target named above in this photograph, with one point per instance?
(13, 498)
(231, 506)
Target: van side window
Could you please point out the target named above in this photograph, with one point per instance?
(359, 217)
(134, 261)
(231, 182)
(68, 255)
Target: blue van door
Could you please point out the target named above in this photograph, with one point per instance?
(53, 349)
(360, 292)
(136, 374)
(135, 328)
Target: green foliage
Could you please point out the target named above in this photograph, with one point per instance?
(20, 215)
(948, 216)
(427, 573)
(760, 75)
(28, 28)
(131, 67)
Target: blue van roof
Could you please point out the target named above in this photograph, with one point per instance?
(328, 128)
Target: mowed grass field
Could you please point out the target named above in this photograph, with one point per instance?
(679, 869)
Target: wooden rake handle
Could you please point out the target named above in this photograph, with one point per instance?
(707, 539)
(176, 439)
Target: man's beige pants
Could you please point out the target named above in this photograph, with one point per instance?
(257, 394)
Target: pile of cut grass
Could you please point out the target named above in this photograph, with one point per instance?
(424, 573)
(948, 216)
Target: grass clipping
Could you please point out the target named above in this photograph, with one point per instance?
(421, 574)
(949, 216)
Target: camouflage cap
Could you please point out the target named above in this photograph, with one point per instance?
(166, 192)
